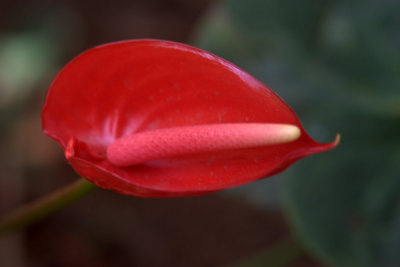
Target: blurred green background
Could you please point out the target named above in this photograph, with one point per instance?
(336, 63)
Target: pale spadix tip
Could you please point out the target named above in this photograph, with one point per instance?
(188, 140)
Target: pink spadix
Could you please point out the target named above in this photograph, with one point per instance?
(188, 140)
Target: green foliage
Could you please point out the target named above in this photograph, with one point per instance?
(337, 63)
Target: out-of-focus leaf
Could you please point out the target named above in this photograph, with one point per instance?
(350, 215)
(337, 63)
(24, 59)
(346, 46)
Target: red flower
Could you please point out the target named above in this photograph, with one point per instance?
(157, 118)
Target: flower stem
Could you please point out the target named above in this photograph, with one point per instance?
(282, 254)
(36, 210)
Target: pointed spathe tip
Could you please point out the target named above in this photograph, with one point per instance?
(336, 142)
(331, 145)
(321, 147)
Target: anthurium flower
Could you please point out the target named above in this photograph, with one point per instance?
(156, 118)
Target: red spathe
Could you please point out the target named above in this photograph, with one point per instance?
(118, 89)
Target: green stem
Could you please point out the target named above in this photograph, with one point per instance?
(281, 254)
(45, 205)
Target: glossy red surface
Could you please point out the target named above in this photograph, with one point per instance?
(122, 88)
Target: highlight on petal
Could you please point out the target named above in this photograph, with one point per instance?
(156, 118)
